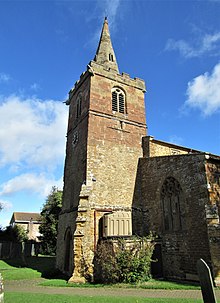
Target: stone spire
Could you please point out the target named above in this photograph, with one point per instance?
(105, 54)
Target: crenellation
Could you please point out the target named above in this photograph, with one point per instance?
(123, 78)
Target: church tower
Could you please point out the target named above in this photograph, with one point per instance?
(105, 128)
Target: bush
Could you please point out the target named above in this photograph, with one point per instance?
(134, 260)
(124, 261)
(106, 269)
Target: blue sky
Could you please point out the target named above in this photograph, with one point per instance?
(45, 46)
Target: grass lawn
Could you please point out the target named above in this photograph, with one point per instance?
(151, 284)
(45, 298)
(37, 267)
(33, 268)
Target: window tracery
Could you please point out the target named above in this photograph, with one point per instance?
(171, 196)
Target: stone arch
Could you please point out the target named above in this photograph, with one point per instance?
(172, 204)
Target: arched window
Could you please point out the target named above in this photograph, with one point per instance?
(79, 105)
(118, 100)
(171, 196)
(111, 57)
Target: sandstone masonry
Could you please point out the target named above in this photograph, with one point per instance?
(113, 167)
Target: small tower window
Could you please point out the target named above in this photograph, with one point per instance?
(79, 105)
(111, 57)
(118, 101)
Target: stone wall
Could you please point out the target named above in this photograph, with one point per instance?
(76, 146)
(100, 166)
(183, 247)
(74, 173)
(213, 213)
(64, 252)
(114, 139)
(156, 148)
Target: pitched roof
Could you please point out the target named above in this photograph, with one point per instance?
(25, 217)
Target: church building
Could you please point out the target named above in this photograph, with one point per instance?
(118, 181)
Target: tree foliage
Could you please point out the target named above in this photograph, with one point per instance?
(49, 225)
(14, 233)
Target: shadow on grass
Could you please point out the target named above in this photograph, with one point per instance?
(43, 264)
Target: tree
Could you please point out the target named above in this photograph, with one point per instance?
(14, 233)
(49, 224)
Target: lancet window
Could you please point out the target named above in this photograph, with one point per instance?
(79, 105)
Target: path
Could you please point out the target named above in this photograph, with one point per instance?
(32, 286)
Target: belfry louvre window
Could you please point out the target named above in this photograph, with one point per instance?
(118, 101)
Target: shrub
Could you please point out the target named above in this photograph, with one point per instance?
(134, 260)
(124, 261)
(105, 263)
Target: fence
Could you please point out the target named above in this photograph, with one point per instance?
(10, 250)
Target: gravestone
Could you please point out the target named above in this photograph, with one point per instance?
(206, 283)
(1, 290)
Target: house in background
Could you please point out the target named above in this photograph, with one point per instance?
(29, 221)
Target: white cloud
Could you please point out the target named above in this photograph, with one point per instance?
(204, 92)
(4, 77)
(206, 44)
(111, 9)
(32, 133)
(30, 182)
(103, 8)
